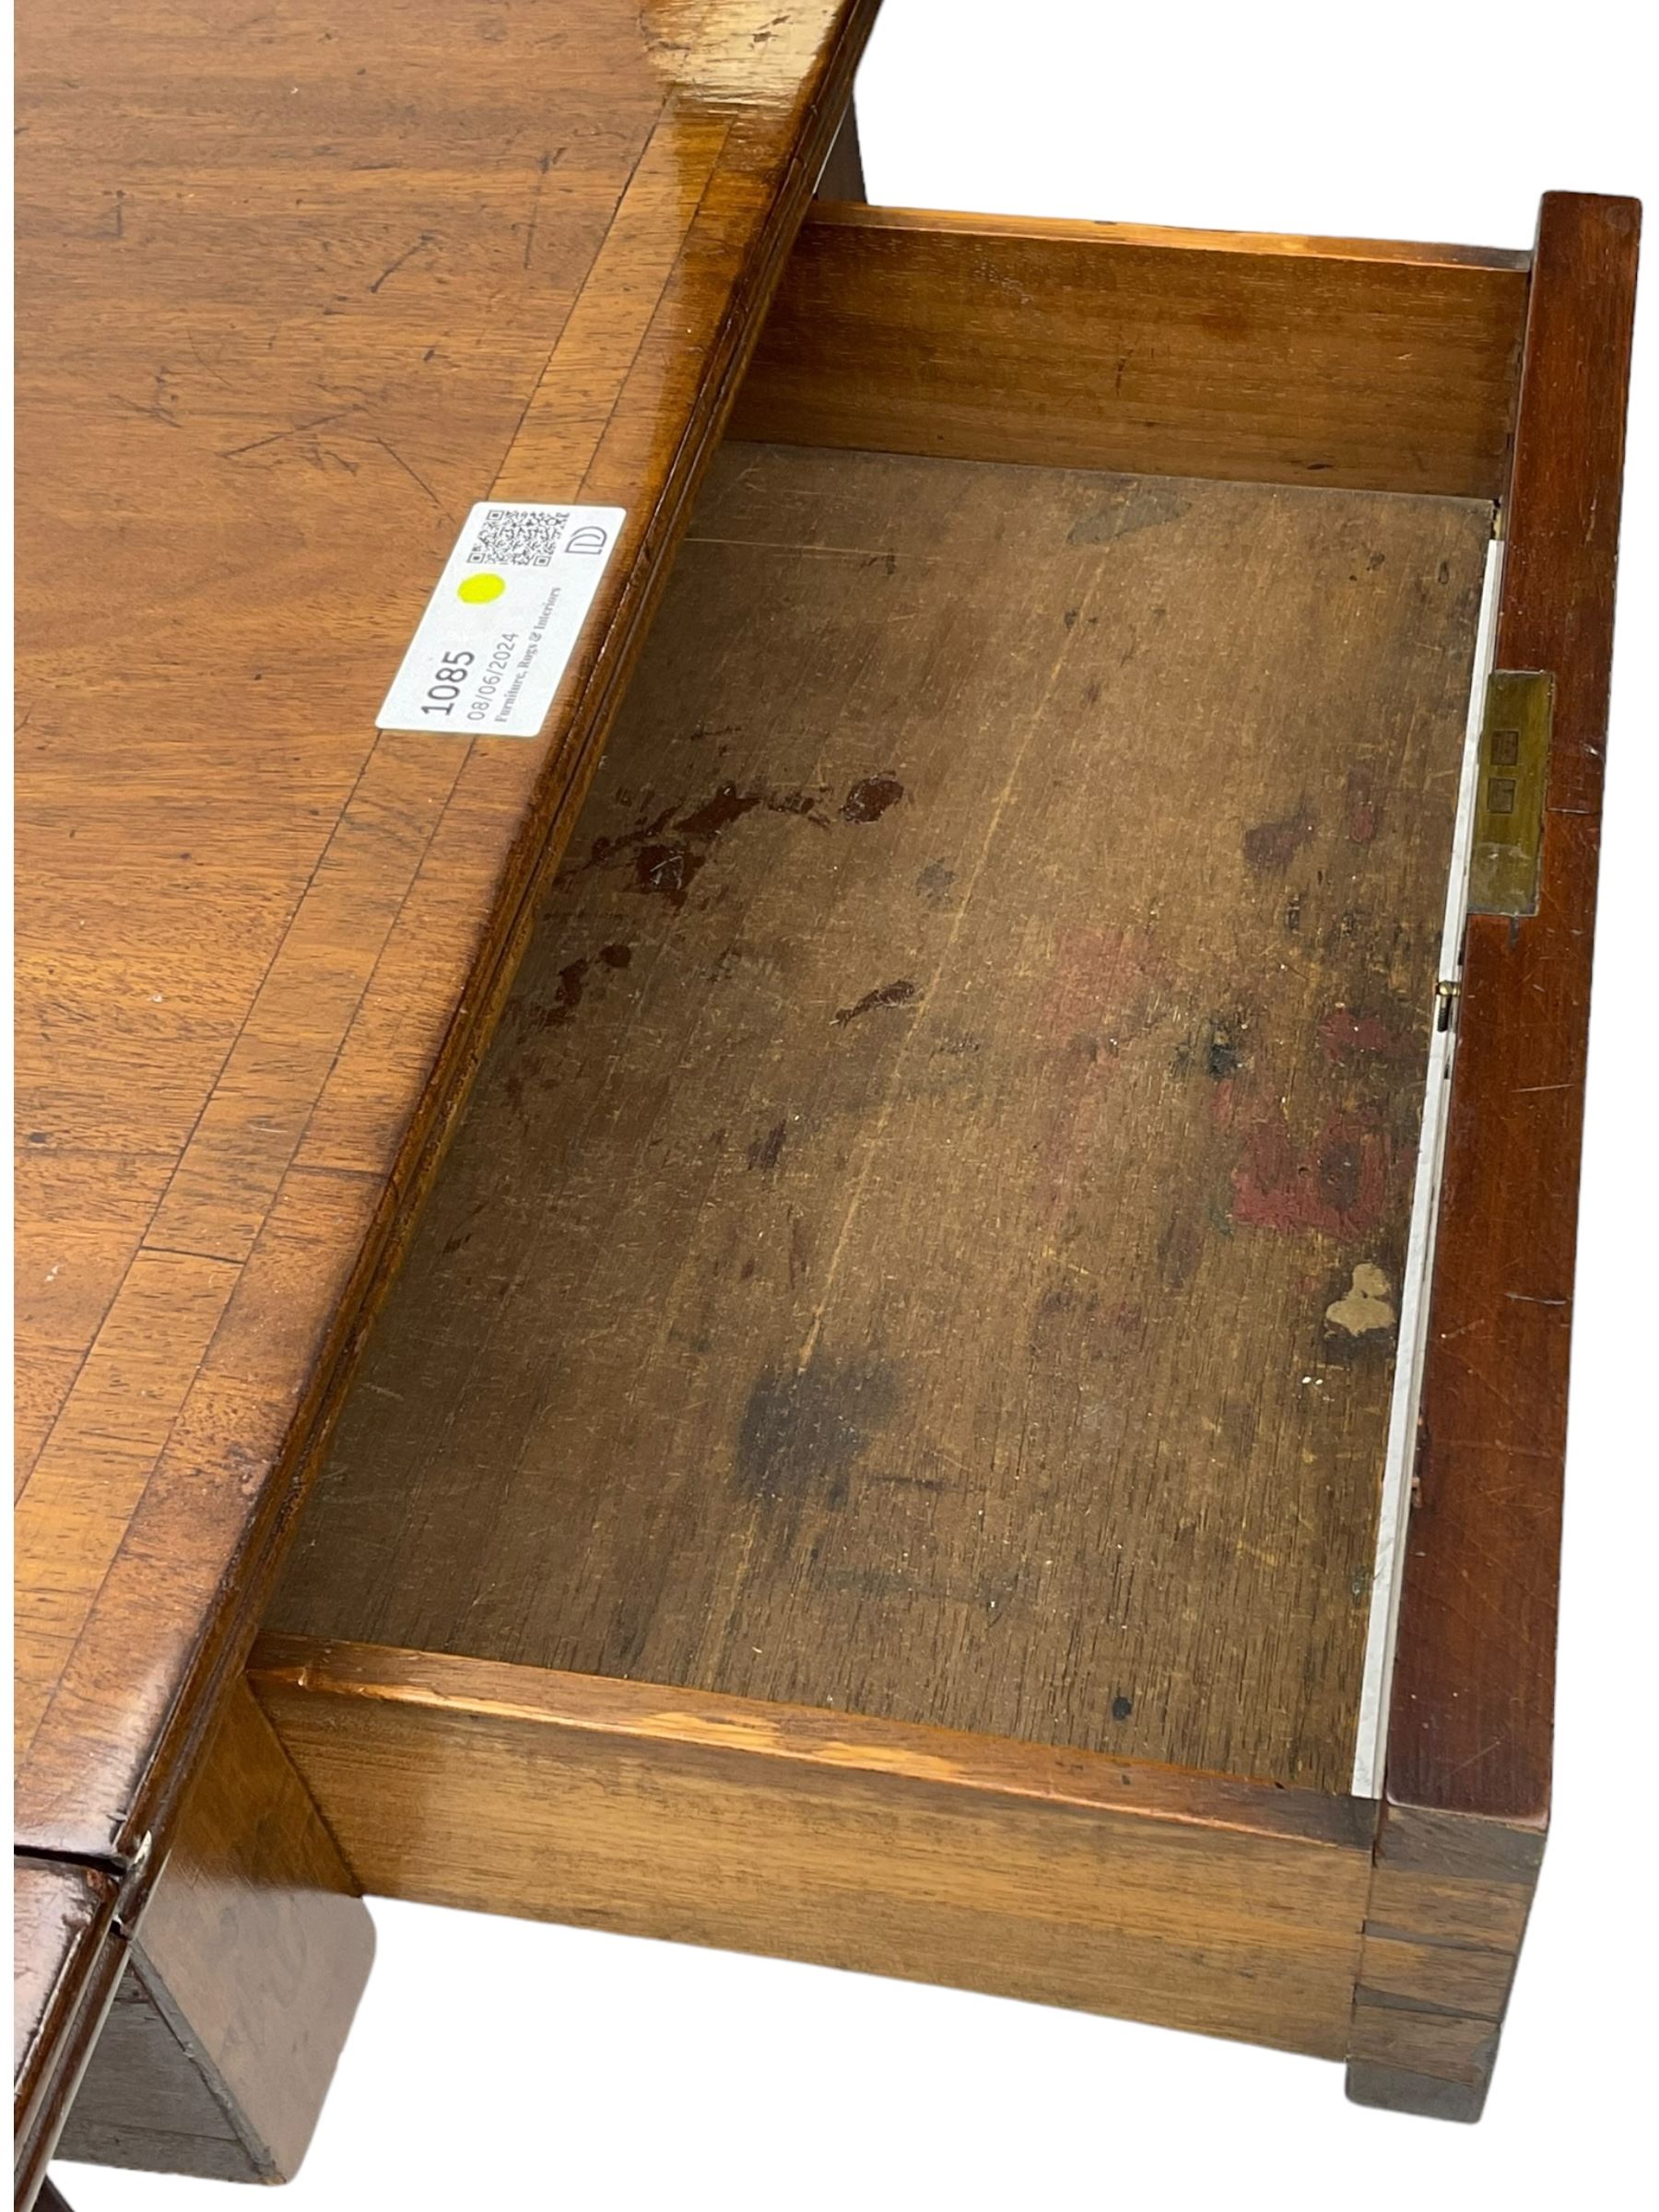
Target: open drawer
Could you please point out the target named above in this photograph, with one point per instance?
(896, 1438)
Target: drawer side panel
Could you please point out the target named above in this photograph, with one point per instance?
(1190, 1903)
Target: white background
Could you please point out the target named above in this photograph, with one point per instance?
(495, 2063)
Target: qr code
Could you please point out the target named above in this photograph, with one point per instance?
(515, 539)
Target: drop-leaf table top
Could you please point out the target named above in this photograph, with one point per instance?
(296, 289)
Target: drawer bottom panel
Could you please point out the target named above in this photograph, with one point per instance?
(928, 1234)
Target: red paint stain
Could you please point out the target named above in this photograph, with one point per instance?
(1270, 847)
(1363, 813)
(1104, 983)
(1345, 1035)
(1339, 1188)
(1104, 990)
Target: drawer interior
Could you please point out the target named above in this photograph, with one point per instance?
(927, 1236)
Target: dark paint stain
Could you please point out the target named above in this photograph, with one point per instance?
(1363, 812)
(870, 797)
(1178, 1247)
(803, 802)
(766, 1151)
(728, 806)
(616, 955)
(566, 997)
(1060, 1299)
(802, 1433)
(666, 866)
(935, 882)
(1218, 1048)
(1370, 1347)
(611, 848)
(1222, 1057)
(1122, 1707)
(667, 870)
(1272, 846)
(890, 994)
(1136, 507)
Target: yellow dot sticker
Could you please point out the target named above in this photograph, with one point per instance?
(478, 591)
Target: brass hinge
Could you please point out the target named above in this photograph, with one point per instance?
(1509, 797)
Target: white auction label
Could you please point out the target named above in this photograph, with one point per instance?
(499, 630)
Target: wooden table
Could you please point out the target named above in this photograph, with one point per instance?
(1026, 1150)
(296, 290)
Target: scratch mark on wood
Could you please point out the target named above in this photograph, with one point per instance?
(547, 162)
(409, 254)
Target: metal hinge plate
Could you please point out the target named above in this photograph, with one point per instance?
(1509, 795)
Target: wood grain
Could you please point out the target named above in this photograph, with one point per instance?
(890, 1260)
(66, 1961)
(243, 1977)
(1059, 1876)
(280, 321)
(1450, 1894)
(1302, 360)
(1472, 1721)
(226, 911)
(1474, 1684)
(145, 2101)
